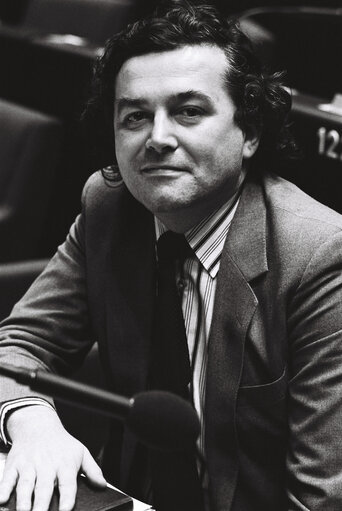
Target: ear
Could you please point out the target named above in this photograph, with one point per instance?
(251, 143)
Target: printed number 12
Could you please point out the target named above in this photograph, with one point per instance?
(328, 142)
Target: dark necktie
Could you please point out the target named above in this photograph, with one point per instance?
(175, 479)
(170, 362)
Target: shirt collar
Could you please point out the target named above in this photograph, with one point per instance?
(208, 237)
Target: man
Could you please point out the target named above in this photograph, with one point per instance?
(196, 127)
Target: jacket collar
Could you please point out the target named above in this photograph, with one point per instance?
(246, 241)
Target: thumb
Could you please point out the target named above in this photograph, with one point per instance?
(91, 470)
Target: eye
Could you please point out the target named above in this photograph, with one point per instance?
(135, 119)
(190, 114)
(191, 111)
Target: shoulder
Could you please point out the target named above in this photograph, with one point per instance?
(108, 200)
(102, 184)
(296, 212)
(103, 196)
(301, 233)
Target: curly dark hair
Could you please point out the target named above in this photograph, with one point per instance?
(261, 100)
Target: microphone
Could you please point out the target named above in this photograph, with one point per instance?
(159, 419)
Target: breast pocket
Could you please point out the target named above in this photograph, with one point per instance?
(262, 421)
(264, 395)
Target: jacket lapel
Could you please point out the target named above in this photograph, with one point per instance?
(130, 289)
(243, 260)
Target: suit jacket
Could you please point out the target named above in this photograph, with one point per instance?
(273, 397)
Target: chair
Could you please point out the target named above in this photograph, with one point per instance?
(50, 72)
(94, 20)
(15, 279)
(317, 127)
(12, 11)
(305, 43)
(30, 148)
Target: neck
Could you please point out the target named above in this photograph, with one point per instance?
(182, 220)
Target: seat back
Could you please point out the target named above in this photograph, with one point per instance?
(30, 148)
(318, 133)
(305, 42)
(12, 12)
(15, 279)
(95, 20)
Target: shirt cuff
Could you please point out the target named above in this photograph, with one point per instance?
(10, 406)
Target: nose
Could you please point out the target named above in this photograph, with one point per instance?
(162, 137)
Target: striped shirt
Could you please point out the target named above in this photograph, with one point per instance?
(198, 282)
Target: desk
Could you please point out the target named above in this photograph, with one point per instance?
(137, 505)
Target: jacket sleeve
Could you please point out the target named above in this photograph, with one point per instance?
(49, 327)
(314, 460)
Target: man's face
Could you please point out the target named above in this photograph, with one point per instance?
(178, 148)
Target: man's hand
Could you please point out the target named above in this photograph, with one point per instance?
(43, 455)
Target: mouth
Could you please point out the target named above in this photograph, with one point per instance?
(162, 169)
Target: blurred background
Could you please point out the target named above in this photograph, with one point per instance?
(47, 50)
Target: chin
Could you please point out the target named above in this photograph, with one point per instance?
(167, 204)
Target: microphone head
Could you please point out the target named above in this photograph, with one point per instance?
(163, 421)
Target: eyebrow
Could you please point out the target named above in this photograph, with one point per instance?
(127, 102)
(192, 94)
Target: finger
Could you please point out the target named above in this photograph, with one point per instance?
(45, 485)
(25, 487)
(91, 469)
(7, 484)
(67, 486)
